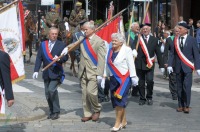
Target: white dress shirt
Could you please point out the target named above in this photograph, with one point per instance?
(184, 39)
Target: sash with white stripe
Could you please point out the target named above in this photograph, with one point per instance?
(181, 55)
(145, 50)
(2, 101)
(26, 13)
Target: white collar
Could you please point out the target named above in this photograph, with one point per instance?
(52, 42)
(184, 37)
(91, 37)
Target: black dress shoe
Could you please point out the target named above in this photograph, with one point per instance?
(55, 116)
(135, 94)
(150, 102)
(107, 99)
(174, 98)
(49, 116)
(100, 100)
(141, 102)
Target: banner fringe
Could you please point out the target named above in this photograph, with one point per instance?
(18, 79)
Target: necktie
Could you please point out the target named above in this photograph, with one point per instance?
(50, 46)
(181, 44)
(145, 39)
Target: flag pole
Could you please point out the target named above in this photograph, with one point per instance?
(7, 6)
(77, 43)
(130, 23)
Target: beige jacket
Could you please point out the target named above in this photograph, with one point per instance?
(86, 63)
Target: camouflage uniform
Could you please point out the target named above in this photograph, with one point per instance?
(76, 18)
(52, 18)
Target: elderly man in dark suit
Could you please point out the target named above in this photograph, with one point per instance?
(172, 76)
(144, 63)
(5, 78)
(53, 76)
(135, 29)
(187, 58)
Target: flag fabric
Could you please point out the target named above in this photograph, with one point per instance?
(11, 42)
(110, 10)
(147, 18)
(121, 27)
(22, 15)
(132, 35)
(112, 27)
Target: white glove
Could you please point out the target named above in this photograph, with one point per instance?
(198, 72)
(35, 75)
(103, 83)
(99, 78)
(134, 52)
(162, 70)
(55, 57)
(169, 69)
(65, 51)
(134, 81)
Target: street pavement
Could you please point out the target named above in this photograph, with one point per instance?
(29, 113)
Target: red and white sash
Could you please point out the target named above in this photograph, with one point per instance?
(145, 50)
(181, 55)
(26, 13)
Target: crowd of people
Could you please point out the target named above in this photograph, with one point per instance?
(120, 68)
(117, 68)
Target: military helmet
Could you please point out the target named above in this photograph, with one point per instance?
(78, 3)
(53, 6)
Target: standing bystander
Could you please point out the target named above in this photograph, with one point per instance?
(198, 35)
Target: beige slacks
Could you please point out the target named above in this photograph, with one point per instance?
(89, 95)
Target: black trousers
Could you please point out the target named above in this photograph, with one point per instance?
(51, 94)
(184, 85)
(103, 93)
(172, 84)
(145, 76)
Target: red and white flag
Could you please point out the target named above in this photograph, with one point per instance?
(112, 27)
(10, 42)
(22, 16)
(116, 26)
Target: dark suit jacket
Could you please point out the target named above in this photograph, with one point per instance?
(5, 77)
(190, 51)
(53, 72)
(132, 42)
(168, 46)
(77, 35)
(153, 48)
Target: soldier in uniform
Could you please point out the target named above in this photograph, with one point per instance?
(77, 16)
(52, 19)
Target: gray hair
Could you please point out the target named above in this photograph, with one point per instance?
(167, 32)
(134, 23)
(89, 24)
(53, 28)
(118, 36)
